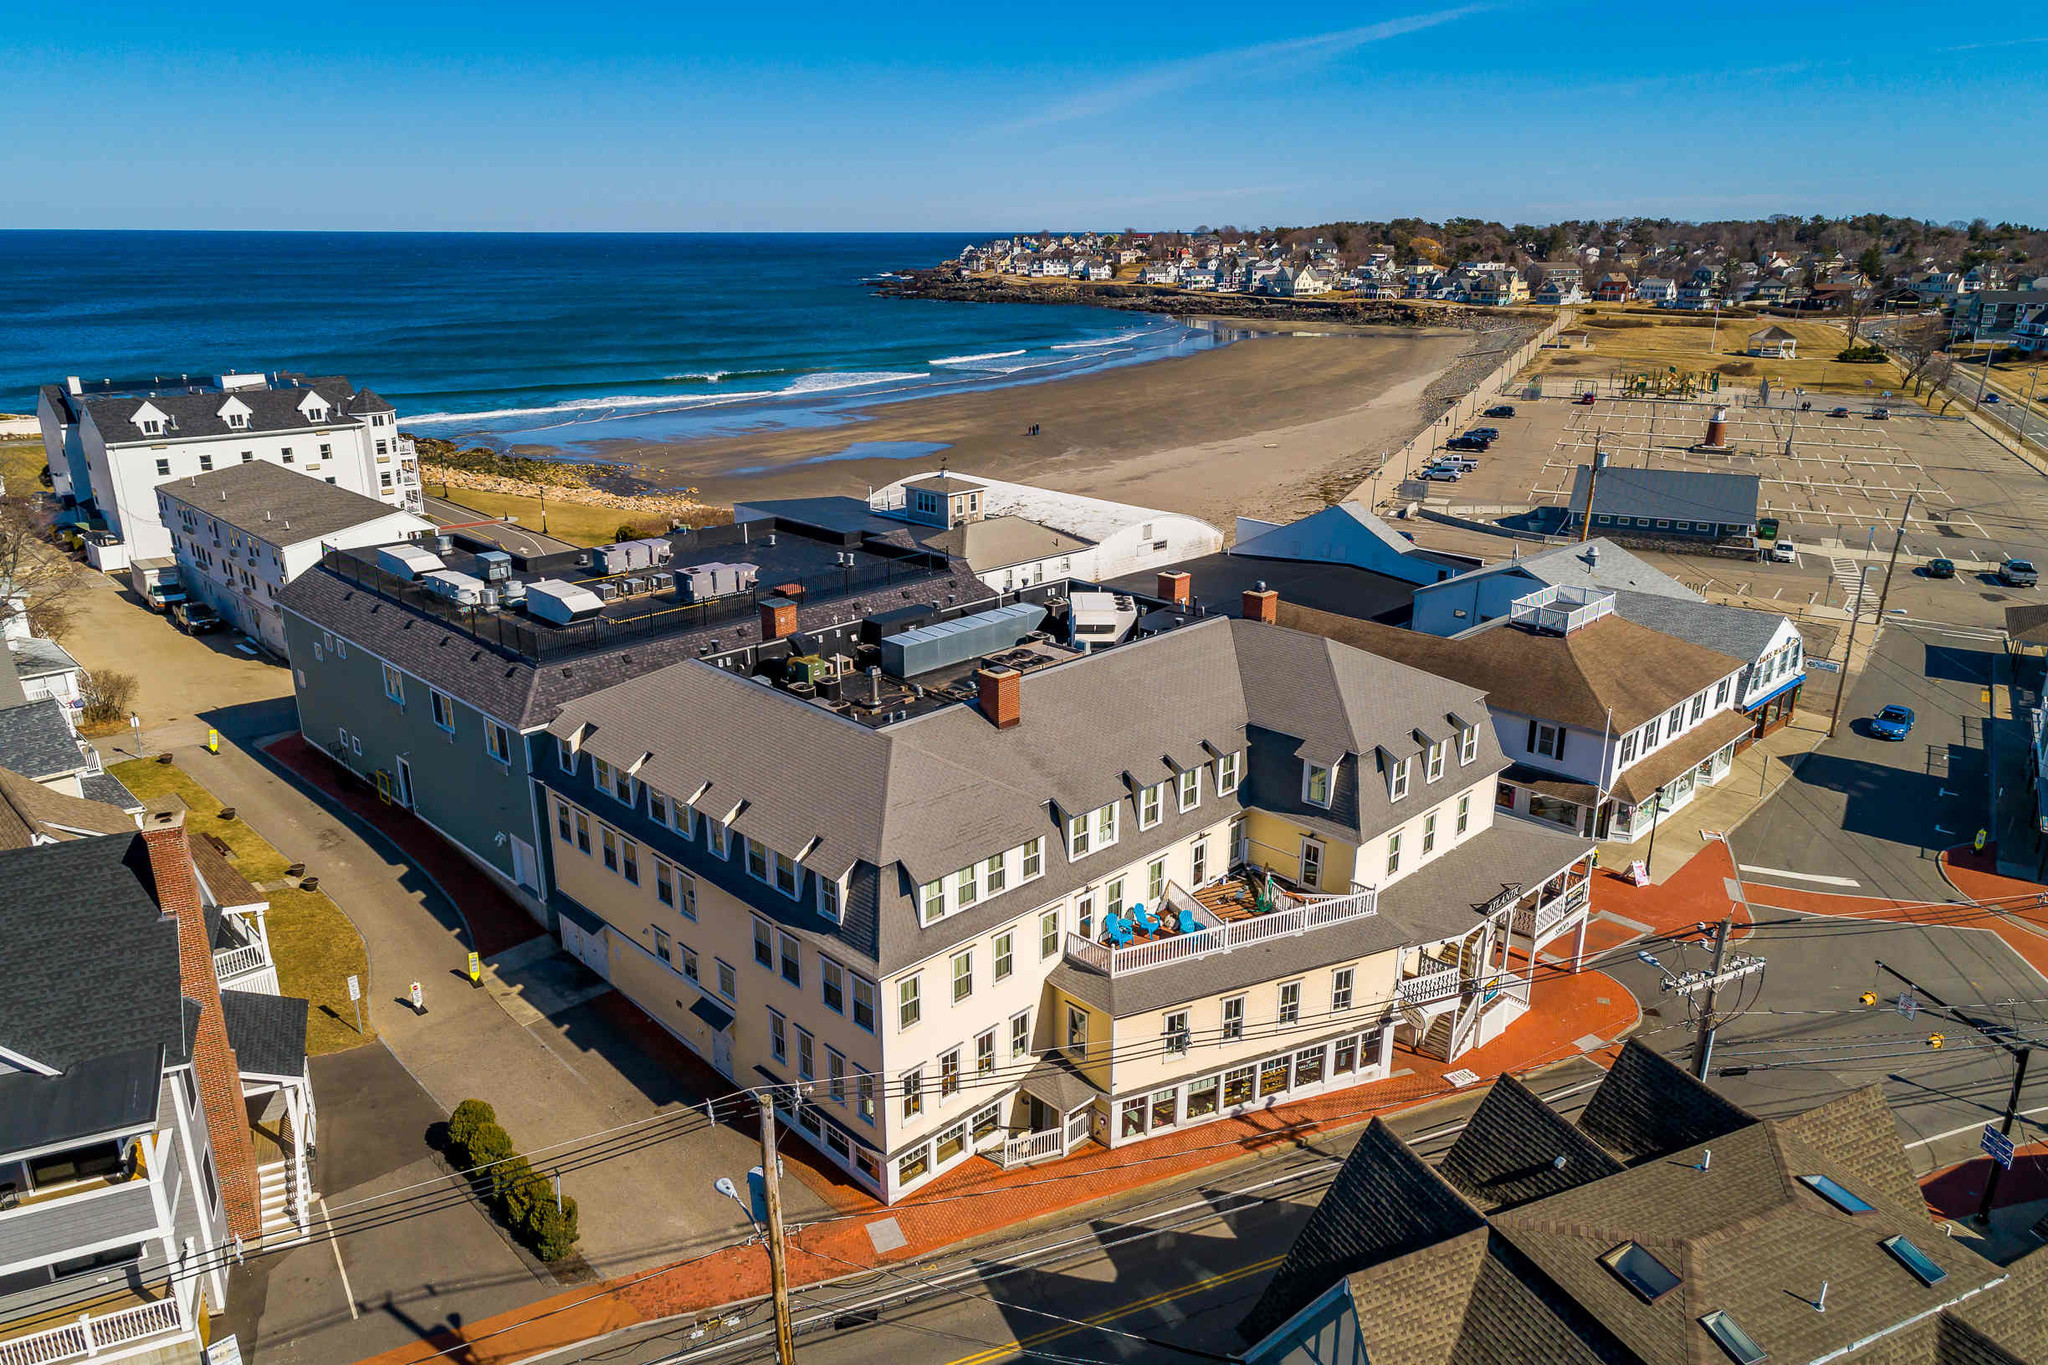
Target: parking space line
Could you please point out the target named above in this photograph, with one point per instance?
(333, 1243)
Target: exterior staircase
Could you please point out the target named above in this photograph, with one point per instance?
(280, 1194)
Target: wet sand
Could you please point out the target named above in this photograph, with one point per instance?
(1275, 426)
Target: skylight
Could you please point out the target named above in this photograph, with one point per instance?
(1915, 1260)
(1639, 1270)
(1835, 1194)
(1736, 1342)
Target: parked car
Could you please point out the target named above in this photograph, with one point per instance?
(1784, 552)
(1941, 568)
(1991, 398)
(1880, 414)
(1466, 443)
(195, 618)
(1584, 400)
(1894, 722)
(1838, 412)
(1444, 473)
(1501, 410)
(2018, 573)
(1489, 433)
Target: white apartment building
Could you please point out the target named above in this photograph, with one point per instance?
(111, 442)
(241, 533)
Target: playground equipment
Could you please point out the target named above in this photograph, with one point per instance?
(1670, 382)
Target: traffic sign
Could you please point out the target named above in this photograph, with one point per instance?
(355, 987)
(1997, 1146)
(1824, 665)
(1907, 1005)
(476, 970)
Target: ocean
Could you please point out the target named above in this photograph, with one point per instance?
(543, 339)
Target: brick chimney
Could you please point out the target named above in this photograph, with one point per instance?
(213, 1057)
(1261, 604)
(778, 618)
(1176, 588)
(1002, 699)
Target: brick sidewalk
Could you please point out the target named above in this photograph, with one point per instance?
(1568, 1013)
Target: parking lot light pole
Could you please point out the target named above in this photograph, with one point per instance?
(1842, 678)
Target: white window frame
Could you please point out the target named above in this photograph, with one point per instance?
(1151, 805)
(831, 898)
(1308, 783)
(1398, 778)
(1468, 744)
(1188, 789)
(1031, 865)
(1228, 770)
(962, 975)
(1341, 983)
(1435, 767)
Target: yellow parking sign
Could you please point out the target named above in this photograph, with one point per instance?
(476, 970)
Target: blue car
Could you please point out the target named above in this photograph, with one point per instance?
(1894, 723)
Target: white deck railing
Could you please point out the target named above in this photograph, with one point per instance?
(1026, 1148)
(1430, 987)
(92, 1336)
(1311, 912)
(1547, 915)
(233, 962)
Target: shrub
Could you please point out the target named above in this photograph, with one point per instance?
(1861, 355)
(487, 1144)
(508, 1186)
(463, 1124)
(552, 1233)
(107, 695)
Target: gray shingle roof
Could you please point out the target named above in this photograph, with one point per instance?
(85, 902)
(277, 505)
(36, 657)
(37, 741)
(1511, 1148)
(1670, 494)
(107, 790)
(111, 1093)
(29, 810)
(1736, 631)
(197, 416)
(268, 1032)
(1599, 563)
(1647, 1107)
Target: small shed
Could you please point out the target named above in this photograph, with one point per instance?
(1775, 342)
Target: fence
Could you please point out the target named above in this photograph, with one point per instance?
(1311, 913)
(92, 1336)
(1481, 395)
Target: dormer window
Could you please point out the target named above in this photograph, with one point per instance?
(1468, 744)
(152, 427)
(1315, 784)
(1436, 761)
(1397, 785)
(238, 420)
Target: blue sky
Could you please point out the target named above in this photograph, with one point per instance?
(597, 116)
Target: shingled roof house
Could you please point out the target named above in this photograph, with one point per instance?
(134, 1097)
(1665, 1227)
(111, 442)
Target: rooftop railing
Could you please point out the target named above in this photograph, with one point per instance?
(1309, 913)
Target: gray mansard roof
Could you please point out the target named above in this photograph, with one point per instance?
(196, 412)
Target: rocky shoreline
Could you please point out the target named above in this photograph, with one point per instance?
(957, 287)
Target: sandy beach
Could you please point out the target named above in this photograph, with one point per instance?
(1273, 426)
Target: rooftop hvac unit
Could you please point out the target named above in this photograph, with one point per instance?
(950, 642)
(512, 590)
(459, 588)
(444, 544)
(407, 561)
(550, 599)
(702, 582)
(623, 557)
(493, 566)
(632, 587)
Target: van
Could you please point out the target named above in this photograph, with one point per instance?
(1784, 552)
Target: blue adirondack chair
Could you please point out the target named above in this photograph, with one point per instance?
(1148, 921)
(1118, 931)
(1187, 921)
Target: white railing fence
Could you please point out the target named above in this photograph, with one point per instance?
(91, 1336)
(1547, 915)
(1029, 1147)
(1308, 912)
(232, 962)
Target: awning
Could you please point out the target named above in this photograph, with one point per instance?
(1055, 1081)
(1641, 782)
(1776, 692)
(712, 1013)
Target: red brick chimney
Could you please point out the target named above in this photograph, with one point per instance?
(778, 618)
(1002, 695)
(1262, 604)
(213, 1058)
(1176, 588)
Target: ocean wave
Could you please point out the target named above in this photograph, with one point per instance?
(844, 379)
(669, 400)
(702, 376)
(970, 359)
(1106, 341)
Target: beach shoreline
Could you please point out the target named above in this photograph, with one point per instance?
(1275, 425)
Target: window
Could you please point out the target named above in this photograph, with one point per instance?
(864, 1098)
(828, 899)
(1464, 816)
(985, 1054)
(1545, 739)
(931, 899)
(1649, 1277)
(610, 838)
(909, 1001)
(1721, 693)
(498, 742)
(1311, 863)
(757, 859)
(963, 975)
(664, 883)
(728, 980)
(1150, 802)
(394, 684)
(1736, 1342)
(657, 806)
(1315, 784)
(583, 833)
(995, 874)
(764, 945)
(786, 879)
(1202, 1098)
(1628, 749)
(1113, 899)
(950, 1143)
(1290, 1002)
(285, 454)
(1468, 744)
(1393, 853)
(966, 887)
(835, 1076)
(1105, 825)
(163, 467)
(1676, 720)
(832, 984)
(715, 836)
(115, 1256)
(686, 904)
(863, 1002)
(1077, 837)
(1034, 860)
(629, 860)
(1916, 1261)
(1077, 1029)
(444, 710)
(1429, 834)
(1177, 1035)
(1650, 735)
(1190, 792)
(565, 757)
(806, 1057)
(1084, 914)
(1398, 786)
(1835, 1194)
(914, 1165)
(1226, 773)
(562, 825)
(1155, 882)
(913, 1093)
(1340, 989)
(778, 1037)
(1004, 959)
(1435, 768)
(1198, 863)
(1237, 1085)
(792, 960)
(1699, 708)
(1020, 1034)
(1233, 1019)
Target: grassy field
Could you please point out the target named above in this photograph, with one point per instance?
(21, 461)
(1648, 342)
(570, 521)
(316, 947)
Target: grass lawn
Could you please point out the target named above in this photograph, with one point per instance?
(21, 461)
(570, 521)
(1650, 343)
(315, 946)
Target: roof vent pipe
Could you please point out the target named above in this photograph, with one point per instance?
(874, 685)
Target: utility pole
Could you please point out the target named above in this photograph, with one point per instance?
(1703, 1044)
(2020, 1053)
(1856, 611)
(1884, 594)
(778, 1267)
(1592, 482)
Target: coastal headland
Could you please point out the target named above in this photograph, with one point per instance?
(1274, 425)
(957, 286)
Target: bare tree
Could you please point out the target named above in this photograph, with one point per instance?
(31, 567)
(1855, 308)
(108, 696)
(1917, 342)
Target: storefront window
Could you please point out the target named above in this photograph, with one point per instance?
(1554, 810)
(1272, 1076)
(909, 1168)
(1344, 1059)
(1308, 1066)
(1202, 1098)
(1237, 1086)
(1165, 1108)
(952, 1142)
(1132, 1123)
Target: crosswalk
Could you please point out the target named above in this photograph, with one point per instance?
(1848, 576)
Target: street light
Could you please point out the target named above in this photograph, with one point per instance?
(1656, 809)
